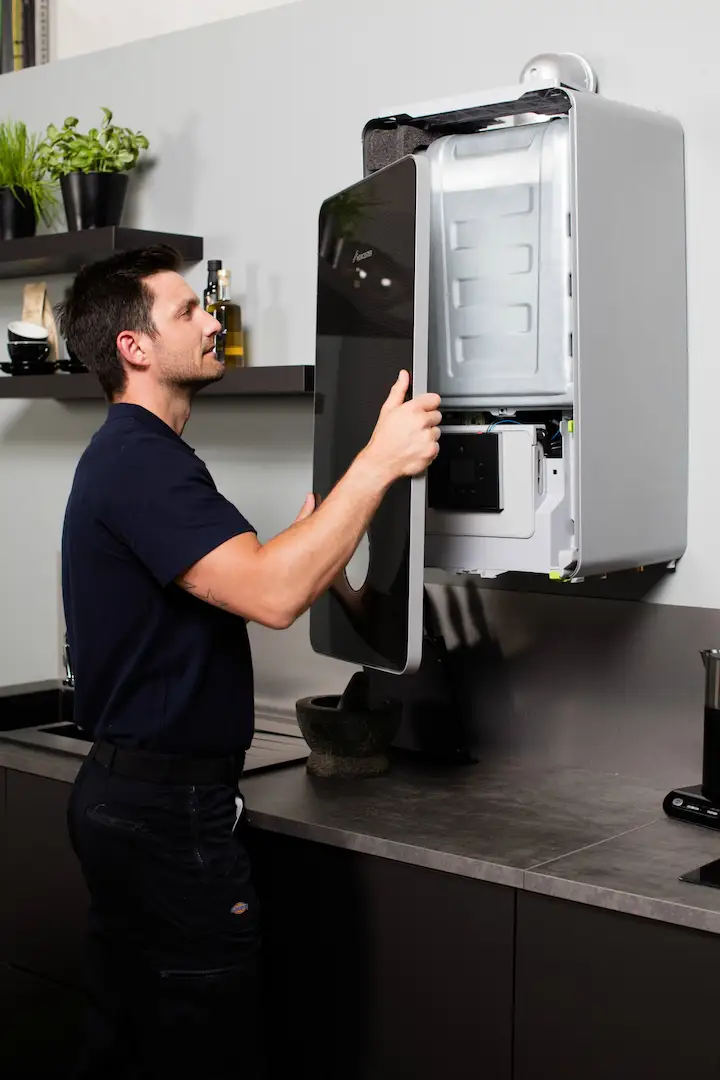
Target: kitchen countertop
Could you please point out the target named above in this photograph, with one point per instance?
(595, 839)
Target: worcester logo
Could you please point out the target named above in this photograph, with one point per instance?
(360, 255)
(238, 909)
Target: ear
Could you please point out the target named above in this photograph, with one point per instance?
(130, 346)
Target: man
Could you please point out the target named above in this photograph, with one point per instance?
(160, 576)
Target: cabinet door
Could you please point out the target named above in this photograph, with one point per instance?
(46, 895)
(39, 1026)
(379, 970)
(603, 995)
(3, 868)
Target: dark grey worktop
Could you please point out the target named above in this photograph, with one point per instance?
(599, 839)
(490, 822)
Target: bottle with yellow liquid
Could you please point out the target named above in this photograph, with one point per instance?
(229, 345)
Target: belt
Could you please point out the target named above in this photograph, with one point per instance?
(168, 768)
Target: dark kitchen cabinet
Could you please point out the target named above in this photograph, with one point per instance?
(46, 899)
(3, 868)
(603, 995)
(39, 1026)
(380, 970)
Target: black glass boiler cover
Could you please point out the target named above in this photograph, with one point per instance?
(372, 316)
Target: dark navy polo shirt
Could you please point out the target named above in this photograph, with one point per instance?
(155, 667)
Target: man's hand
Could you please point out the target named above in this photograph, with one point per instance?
(405, 439)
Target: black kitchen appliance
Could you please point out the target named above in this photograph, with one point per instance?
(700, 803)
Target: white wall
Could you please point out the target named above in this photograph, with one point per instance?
(296, 84)
(82, 26)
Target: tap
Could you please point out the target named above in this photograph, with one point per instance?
(66, 697)
(68, 682)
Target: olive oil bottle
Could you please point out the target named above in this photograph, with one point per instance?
(211, 289)
(229, 345)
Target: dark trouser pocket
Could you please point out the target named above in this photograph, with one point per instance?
(102, 815)
(203, 1023)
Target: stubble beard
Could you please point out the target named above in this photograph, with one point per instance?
(191, 379)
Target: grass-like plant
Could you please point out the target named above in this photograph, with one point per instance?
(23, 169)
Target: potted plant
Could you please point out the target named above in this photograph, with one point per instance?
(26, 192)
(92, 169)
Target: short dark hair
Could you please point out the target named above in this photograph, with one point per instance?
(106, 298)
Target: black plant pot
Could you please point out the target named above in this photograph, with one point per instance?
(17, 214)
(93, 200)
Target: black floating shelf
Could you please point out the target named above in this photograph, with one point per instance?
(63, 253)
(288, 380)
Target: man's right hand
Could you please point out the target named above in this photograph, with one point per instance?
(405, 439)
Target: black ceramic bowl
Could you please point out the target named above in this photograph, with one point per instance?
(28, 352)
(27, 331)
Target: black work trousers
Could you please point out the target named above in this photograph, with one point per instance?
(174, 940)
